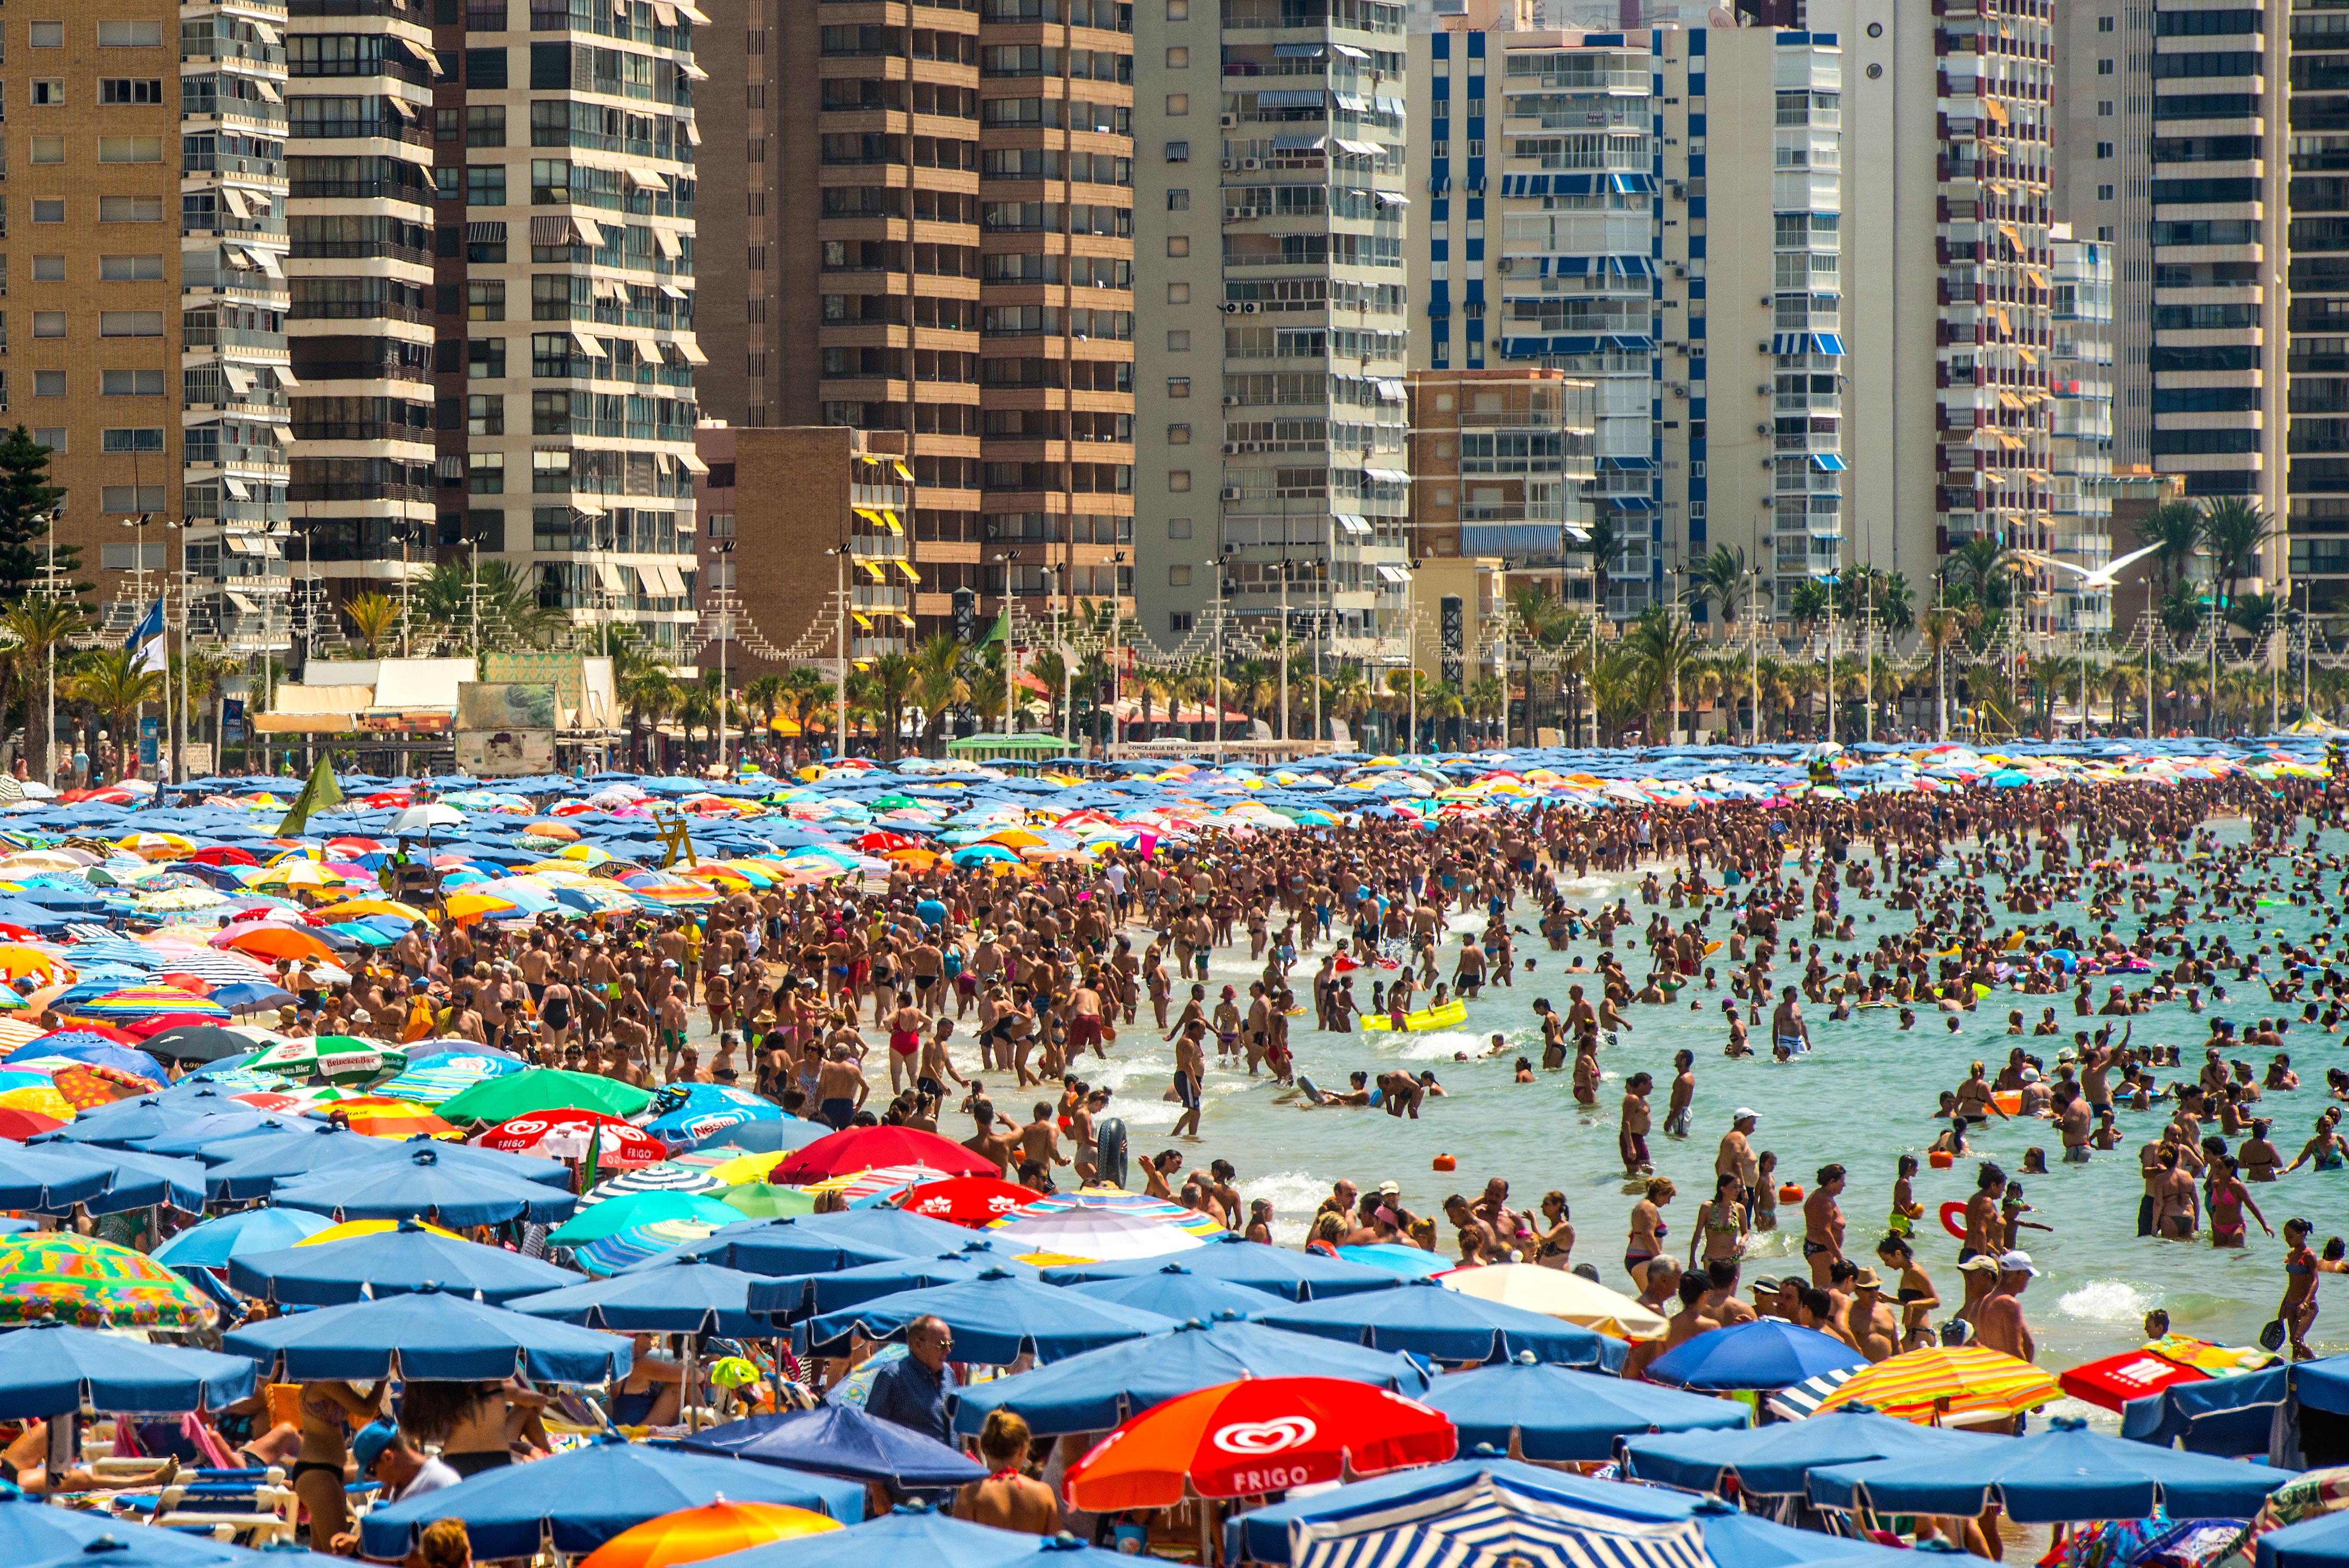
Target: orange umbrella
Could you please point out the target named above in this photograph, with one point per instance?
(713, 1530)
(273, 939)
(1258, 1435)
(381, 1116)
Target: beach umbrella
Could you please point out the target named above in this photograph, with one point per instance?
(1439, 1324)
(88, 1049)
(1174, 1292)
(638, 1209)
(211, 1244)
(818, 1243)
(1254, 1435)
(1773, 1461)
(545, 1088)
(143, 1001)
(273, 939)
(862, 1147)
(1397, 1259)
(1097, 1233)
(427, 1334)
(456, 1194)
(33, 1531)
(575, 1502)
(17, 1124)
(1946, 1385)
(713, 1530)
(50, 1178)
(378, 1116)
(1552, 1415)
(80, 1280)
(1766, 1354)
(198, 1042)
(965, 1199)
(2319, 1542)
(50, 1368)
(843, 1288)
(705, 1116)
(2065, 1474)
(1094, 1391)
(663, 1176)
(841, 1440)
(995, 1317)
(1555, 1293)
(691, 1297)
(2112, 1381)
(1298, 1276)
(337, 1058)
(765, 1201)
(913, 1533)
(764, 1135)
(405, 1258)
(570, 1134)
(435, 1079)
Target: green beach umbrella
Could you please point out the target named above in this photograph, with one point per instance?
(765, 1201)
(337, 1058)
(545, 1088)
(638, 1209)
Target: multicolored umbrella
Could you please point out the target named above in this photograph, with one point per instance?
(713, 1530)
(607, 1255)
(666, 1177)
(380, 1116)
(145, 1001)
(80, 1280)
(88, 1087)
(966, 1199)
(1944, 1383)
(1116, 1200)
(570, 1134)
(433, 1080)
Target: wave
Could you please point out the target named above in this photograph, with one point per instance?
(2108, 1301)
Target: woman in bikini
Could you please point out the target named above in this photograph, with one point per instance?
(1555, 1249)
(1722, 1224)
(653, 1390)
(2226, 1199)
(1648, 1228)
(328, 1412)
(1917, 1296)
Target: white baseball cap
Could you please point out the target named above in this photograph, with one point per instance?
(1743, 1113)
(2016, 1262)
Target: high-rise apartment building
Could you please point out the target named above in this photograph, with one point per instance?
(937, 238)
(2080, 384)
(1271, 426)
(359, 154)
(1750, 271)
(2316, 243)
(2103, 184)
(148, 254)
(563, 165)
(2220, 237)
(1539, 245)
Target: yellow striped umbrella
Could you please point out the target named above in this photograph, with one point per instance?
(1945, 1382)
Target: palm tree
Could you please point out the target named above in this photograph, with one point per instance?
(643, 687)
(110, 681)
(449, 597)
(1667, 644)
(1622, 687)
(374, 617)
(938, 683)
(1488, 698)
(2175, 530)
(894, 676)
(2233, 532)
(765, 692)
(1944, 626)
(1720, 577)
(1810, 605)
(1605, 547)
(40, 626)
(1978, 571)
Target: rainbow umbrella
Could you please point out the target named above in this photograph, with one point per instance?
(1112, 1200)
(140, 1001)
(713, 1530)
(607, 1255)
(1941, 1384)
(380, 1116)
(57, 1275)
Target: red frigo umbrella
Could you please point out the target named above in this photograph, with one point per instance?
(966, 1199)
(864, 1148)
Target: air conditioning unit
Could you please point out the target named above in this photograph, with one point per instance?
(1504, 265)
(1230, 119)
(1233, 214)
(1766, 302)
(1227, 164)
(1761, 429)
(1763, 346)
(1231, 492)
(1231, 448)
(1679, 391)
(1251, 163)
(1680, 272)
(1249, 307)
(1230, 399)
(1229, 308)
(1764, 390)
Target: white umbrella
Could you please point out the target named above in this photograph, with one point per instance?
(1102, 1235)
(1555, 1293)
(424, 819)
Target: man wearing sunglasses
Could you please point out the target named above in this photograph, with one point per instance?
(913, 1392)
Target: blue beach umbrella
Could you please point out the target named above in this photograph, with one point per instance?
(33, 1532)
(817, 1244)
(2319, 1542)
(2063, 1475)
(49, 1368)
(210, 1246)
(843, 1441)
(766, 1135)
(1174, 1292)
(575, 1502)
(430, 1335)
(1767, 1354)
(1392, 1257)
(421, 1187)
(845, 1288)
(1773, 1461)
(389, 1262)
(51, 1177)
(691, 1296)
(1300, 1276)
(140, 1180)
(1557, 1415)
(1427, 1320)
(1096, 1390)
(995, 1317)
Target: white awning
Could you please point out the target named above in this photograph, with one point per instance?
(693, 133)
(548, 230)
(649, 579)
(589, 232)
(1387, 476)
(284, 375)
(693, 12)
(233, 200)
(238, 258)
(693, 460)
(674, 292)
(266, 261)
(589, 343)
(605, 288)
(667, 242)
(403, 109)
(264, 31)
(236, 487)
(1351, 523)
(609, 576)
(243, 544)
(692, 70)
(431, 61)
(1393, 575)
(692, 350)
(665, 11)
(586, 508)
(673, 581)
(1359, 149)
(268, 90)
(281, 434)
(245, 606)
(239, 378)
(490, 231)
(1390, 391)
(646, 178)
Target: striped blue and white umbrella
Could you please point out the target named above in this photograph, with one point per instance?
(434, 1079)
(1484, 1526)
(219, 968)
(113, 950)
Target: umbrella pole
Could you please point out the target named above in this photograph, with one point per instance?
(61, 1453)
(686, 1401)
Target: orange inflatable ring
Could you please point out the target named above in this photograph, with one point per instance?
(1941, 1159)
(1953, 1219)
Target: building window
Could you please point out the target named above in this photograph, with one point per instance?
(1178, 577)
(48, 383)
(2104, 192)
(145, 269)
(2104, 24)
(132, 439)
(485, 125)
(1179, 481)
(486, 187)
(49, 210)
(48, 150)
(485, 299)
(1178, 200)
(48, 269)
(1178, 152)
(130, 384)
(130, 150)
(1179, 622)
(1178, 527)
(2104, 149)
(1178, 294)
(485, 414)
(485, 67)
(46, 34)
(50, 435)
(1178, 103)
(1178, 435)
(1178, 59)
(133, 498)
(131, 90)
(485, 473)
(131, 324)
(1178, 244)
(47, 91)
(131, 209)
(1178, 10)
(485, 358)
(125, 35)
(2103, 108)
(1176, 385)
(1179, 342)
(2104, 67)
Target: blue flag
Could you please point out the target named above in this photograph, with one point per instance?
(150, 626)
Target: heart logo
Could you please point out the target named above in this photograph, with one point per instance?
(1276, 1436)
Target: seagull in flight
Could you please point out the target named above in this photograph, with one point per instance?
(2102, 577)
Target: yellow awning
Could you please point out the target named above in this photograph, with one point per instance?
(867, 514)
(2013, 235)
(858, 616)
(905, 618)
(874, 568)
(913, 573)
(2003, 324)
(889, 521)
(1995, 110)
(2009, 400)
(2037, 280)
(2028, 357)
(903, 472)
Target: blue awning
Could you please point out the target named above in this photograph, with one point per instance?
(1297, 51)
(1806, 343)
(1827, 462)
(1629, 502)
(1577, 184)
(1439, 307)
(1289, 98)
(1298, 143)
(1636, 465)
(1632, 345)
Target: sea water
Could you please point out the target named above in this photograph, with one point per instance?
(1864, 1096)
